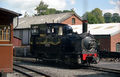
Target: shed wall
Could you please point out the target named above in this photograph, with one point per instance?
(104, 44)
(114, 40)
(24, 34)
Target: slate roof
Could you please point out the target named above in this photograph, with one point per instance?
(100, 29)
(56, 18)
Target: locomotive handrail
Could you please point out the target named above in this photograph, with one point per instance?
(49, 42)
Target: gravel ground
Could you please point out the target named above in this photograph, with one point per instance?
(111, 65)
(56, 71)
(15, 74)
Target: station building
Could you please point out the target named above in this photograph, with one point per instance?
(107, 35)
(6, 39)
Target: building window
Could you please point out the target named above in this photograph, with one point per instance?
(73, 21)
(118, 47)
(4, 32)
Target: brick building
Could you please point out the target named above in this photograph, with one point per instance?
(107, 35)
(23, 29)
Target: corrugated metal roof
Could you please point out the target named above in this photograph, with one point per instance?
(99, 29)
(56, 18)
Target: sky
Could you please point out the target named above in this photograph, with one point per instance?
(80, 6)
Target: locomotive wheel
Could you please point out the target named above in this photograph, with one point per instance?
(88, 63)
(97, 60)
(67, 60)
(79, 61)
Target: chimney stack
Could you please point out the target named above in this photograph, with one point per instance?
(84, 26)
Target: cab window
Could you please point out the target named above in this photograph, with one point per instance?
(34, 29)
(58, 30)
(42, 29)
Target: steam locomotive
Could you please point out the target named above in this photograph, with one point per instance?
(58, 42)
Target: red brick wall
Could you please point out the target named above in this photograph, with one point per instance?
(6, 58)
(114, 39)
(69, 20)
(104, 44)
(16, 42)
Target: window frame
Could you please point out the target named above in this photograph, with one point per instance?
(5, 33)
(73, 21)
(118, 47)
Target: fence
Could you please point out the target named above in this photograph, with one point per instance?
(21, 51)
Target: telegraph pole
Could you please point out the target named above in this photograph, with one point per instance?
(119, 6)
(85, 7)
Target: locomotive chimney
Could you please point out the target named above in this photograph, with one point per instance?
(84, 26)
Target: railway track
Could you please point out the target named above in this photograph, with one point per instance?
(28, 72)
(81, 67)
(103, 69)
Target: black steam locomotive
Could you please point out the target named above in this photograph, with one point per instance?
(58, 42)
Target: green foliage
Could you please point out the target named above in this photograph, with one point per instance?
(115, 17)
(26, 14)
(51, 11)
(42, 9)
(58, 11)
(95, 16)
(108, 17)
(119, 19)
(98, 14)
(90, 17)
(64, 11)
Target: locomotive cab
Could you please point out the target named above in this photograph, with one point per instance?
(46, 40)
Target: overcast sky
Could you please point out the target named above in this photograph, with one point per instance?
(80, 6)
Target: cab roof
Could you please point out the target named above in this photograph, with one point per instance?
(58, 24)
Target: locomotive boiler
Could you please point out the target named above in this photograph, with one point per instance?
(58, 42)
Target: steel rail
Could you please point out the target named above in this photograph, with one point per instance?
(45, 75)
(102, 69)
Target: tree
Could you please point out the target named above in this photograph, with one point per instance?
(64, 11)
(58, 11)
(41, 8)
(51, 11)
(115, 17)
(98, 14)
(108, 17)
(26, 14)
(90, 17)
(119, 19)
